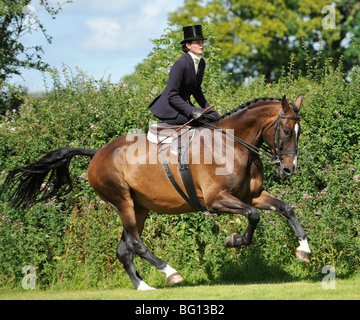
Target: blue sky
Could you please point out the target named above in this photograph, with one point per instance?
(101, 37)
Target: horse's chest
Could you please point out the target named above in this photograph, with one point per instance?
(248, 181)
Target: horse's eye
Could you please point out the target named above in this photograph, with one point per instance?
(287, 132)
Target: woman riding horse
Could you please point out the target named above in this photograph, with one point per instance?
(173, 106)
(129, 186)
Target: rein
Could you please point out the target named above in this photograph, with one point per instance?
(274, 156)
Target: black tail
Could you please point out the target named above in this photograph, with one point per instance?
(25, 185)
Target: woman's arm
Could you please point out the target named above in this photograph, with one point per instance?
(200, 98)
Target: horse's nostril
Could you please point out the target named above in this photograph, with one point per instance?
(287, 171)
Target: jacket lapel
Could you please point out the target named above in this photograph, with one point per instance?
(200, 72)
(190, 64)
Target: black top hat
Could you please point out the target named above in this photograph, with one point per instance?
(192, 33)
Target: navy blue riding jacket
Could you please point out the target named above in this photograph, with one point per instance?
(183, 82)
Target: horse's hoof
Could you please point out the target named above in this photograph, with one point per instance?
(303, 256)
(230, 241)
(144, 287)
(175, 278)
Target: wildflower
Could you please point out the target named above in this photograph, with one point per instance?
(3, 172)
(306, 197)
(352, 169)
(92, 127)
(318, 213)
(211, 215)
(5, 218)
(83, 175)
(51, 202)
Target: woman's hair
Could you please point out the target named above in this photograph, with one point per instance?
(185, 48)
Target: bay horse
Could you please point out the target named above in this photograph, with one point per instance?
(127, 179)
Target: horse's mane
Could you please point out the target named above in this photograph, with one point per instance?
(247, 105)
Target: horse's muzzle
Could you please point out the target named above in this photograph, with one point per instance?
(285, 171)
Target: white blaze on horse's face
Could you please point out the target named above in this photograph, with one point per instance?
(296, 129)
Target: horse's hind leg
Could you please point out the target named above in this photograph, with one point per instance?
(133, 223)
(126, 258)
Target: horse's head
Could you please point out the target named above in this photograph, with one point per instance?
(284, 138)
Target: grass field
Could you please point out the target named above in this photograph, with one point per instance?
(348, 289)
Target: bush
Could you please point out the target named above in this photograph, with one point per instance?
(72, 240)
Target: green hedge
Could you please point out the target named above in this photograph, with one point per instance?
(72, 241)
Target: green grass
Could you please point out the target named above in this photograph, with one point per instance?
(348, 289)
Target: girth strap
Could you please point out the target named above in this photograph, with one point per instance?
(185, 173)
(187, 177)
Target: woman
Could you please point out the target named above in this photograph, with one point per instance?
(173, 106)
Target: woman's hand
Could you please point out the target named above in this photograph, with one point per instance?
(196, 114)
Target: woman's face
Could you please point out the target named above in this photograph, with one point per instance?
(196, 47)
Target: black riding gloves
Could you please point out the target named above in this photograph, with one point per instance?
(196, 114)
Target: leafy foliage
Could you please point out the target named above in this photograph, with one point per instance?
(72, 241)
(259, 36)
(16, 20)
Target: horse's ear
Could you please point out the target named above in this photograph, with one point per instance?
(299, 100)
(285, 104)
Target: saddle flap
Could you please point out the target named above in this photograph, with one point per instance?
(160, 131)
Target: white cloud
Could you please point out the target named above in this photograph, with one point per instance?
(128, 27)
(97, 6)
(115, 6)
(99, 36)
(104, 35)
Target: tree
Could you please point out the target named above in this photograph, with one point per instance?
(258, 37)
(17, 18)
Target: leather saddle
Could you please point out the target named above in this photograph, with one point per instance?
(167, 134)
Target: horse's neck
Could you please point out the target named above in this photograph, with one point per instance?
(249, 124)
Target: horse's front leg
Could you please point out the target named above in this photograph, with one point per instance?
(267, 202)
(227, 203)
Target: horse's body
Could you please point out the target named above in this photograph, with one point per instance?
(133, 183)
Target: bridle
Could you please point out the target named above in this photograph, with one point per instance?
(274, 154)
(276, 151)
